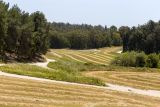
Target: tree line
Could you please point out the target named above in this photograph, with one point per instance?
(25, 35)
(142, 38)
(22, 35)
(65, 35)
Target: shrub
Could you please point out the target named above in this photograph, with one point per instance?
(126, 59)
(152, 60)
(134, 59)
(140, 59)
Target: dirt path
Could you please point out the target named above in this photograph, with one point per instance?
(47, 80)
(119, 52)
(43, 64)
(2, 64)
(153, 93)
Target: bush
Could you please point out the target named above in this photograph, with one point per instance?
(152, 60)
(126, 59)
(134, 59)
(140, 59)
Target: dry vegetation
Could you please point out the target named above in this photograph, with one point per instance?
(27, 93)
(97, 56)
(143, 78)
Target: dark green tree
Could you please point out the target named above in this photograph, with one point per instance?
(3, 28)
(13, 31)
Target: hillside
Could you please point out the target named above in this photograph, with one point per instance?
(19, 91)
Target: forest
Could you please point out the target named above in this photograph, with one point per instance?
(22, 35)
(25, 36)
(142, 38)
(65, 35)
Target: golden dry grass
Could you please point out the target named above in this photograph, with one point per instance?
(97, 56)
(16, 92)
(143, 78)
(28, 93)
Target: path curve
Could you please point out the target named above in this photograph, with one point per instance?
(43, 64)
(116, 87)
(119, 52)
(153, 93)
(46, 80)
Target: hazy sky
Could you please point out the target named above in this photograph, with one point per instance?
(104, 12)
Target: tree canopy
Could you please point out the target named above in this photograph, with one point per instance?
(65, 35)
(142, 38)
(25, 35)
(22, 34)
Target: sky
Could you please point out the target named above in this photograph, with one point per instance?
(94, 12)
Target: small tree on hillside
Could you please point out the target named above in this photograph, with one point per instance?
(153, 60)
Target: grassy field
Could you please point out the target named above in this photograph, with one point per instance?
(71, 64)
(28, 93)
(57, 74)
(142, 78)
(96, 56)
(68, 65)
(81, 66)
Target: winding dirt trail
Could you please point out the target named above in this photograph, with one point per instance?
(43, 64)
(116, 87)
(152, 93)
(47, 80)
(119, 52)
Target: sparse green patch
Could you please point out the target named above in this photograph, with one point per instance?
(71, 66)
(58, 74)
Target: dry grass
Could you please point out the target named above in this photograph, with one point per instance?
(143, 78)
(97, 56)
(27, 93)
